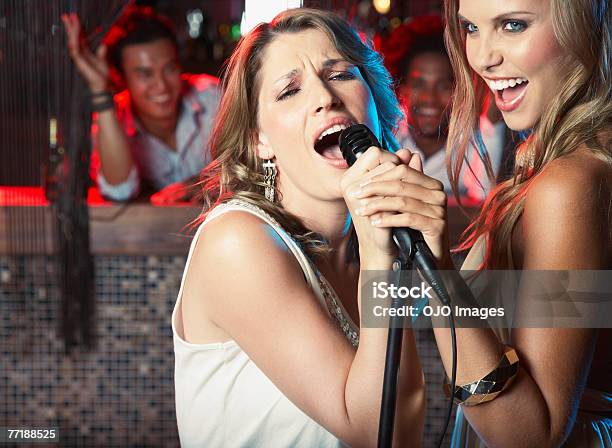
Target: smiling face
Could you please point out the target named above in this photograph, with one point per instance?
(153, 77)
(427, 92)
(308, 94)
(511, 45)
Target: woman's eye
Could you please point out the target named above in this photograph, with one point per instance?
(514, 26)
(469, 27)
(287, 93)
(341, 76)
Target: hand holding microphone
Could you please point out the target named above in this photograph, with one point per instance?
(399, 196)
(376, 248)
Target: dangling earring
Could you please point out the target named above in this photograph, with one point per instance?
(269, 178)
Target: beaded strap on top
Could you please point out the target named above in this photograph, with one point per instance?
(338, 312)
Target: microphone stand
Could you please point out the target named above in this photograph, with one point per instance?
(413, 250)
(392, 363)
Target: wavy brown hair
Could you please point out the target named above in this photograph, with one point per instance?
(579, 116)
(236, 171)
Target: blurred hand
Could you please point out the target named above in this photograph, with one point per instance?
(402, 196)
(177, 193)
(93, 67)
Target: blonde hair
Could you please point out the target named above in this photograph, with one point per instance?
(577, 116)
(236, 171)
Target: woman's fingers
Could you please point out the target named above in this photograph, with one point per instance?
(401, 189)
(354, 189)
(372, 158)
(416, 163)
(429, 227)
(373, 161)
(404, 155)
(409, 175)
(400, 157)
(396, 204)
(380, 169)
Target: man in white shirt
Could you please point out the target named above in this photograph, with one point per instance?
(156, 131)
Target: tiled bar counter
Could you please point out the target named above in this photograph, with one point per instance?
(120, 393)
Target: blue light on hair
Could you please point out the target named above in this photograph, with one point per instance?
(480, 145)
(599, 11)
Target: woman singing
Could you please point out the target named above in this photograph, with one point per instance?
(269, 351)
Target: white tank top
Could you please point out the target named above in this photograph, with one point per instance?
(222, 398)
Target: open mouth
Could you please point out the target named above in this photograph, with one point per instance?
(427, 112)
(328, 147)
(327, 142)
(160, 99)
(508, 92)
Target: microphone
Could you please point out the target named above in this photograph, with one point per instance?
(353, 142)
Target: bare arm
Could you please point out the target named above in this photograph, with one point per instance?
(563, 228)
(265, 305)
(115, 158)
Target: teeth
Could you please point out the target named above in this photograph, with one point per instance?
(332, 129)
(502, 84)
(160, 99)
(428, 111)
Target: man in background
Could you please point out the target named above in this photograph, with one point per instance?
(153, 134)
(415, 54)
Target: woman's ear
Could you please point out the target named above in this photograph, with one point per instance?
(264, 150)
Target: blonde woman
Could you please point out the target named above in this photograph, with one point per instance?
(548, 63)
(269, 349)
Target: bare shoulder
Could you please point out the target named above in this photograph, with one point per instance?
(237, 258)
(243, 242)
(581, 180)
(566, 217)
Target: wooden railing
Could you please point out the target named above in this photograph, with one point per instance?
(135, 228)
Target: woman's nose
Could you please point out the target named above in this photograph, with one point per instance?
(325, 98)
(488, 54)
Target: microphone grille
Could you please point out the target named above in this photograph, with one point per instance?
(355, 140)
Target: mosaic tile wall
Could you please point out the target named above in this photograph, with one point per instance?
(121, 393)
